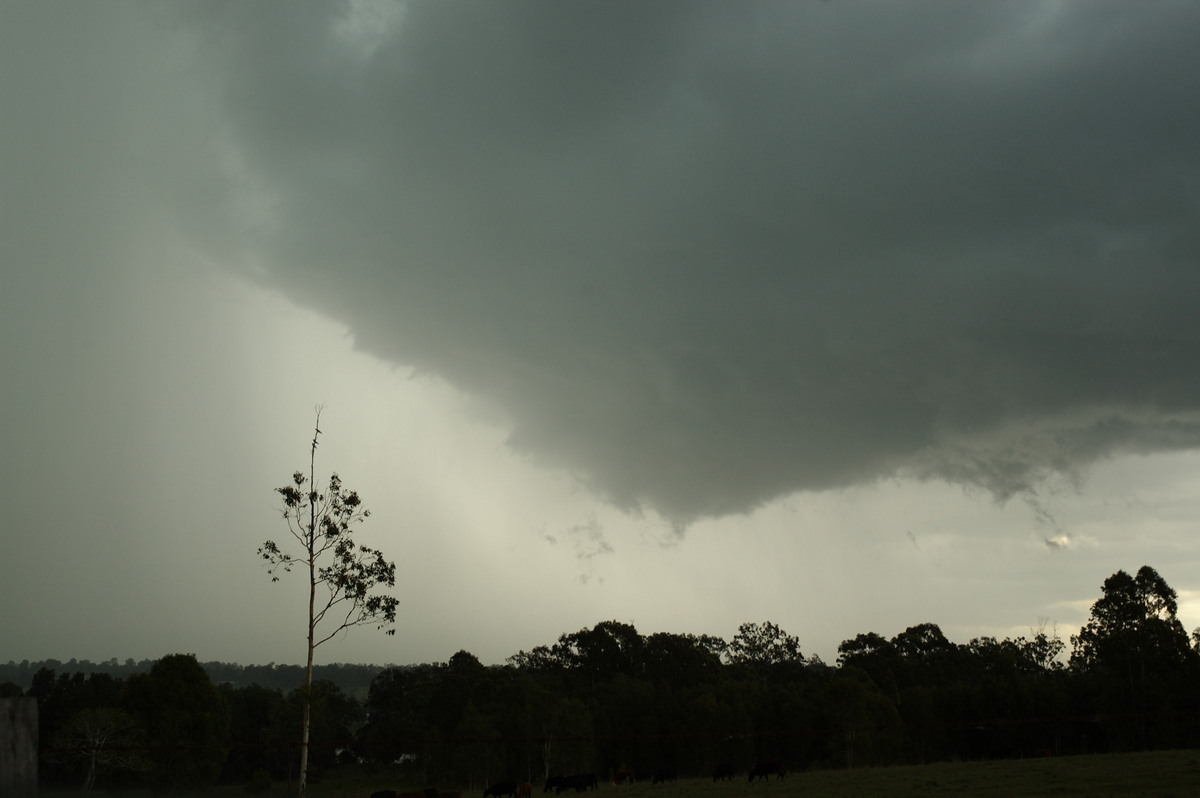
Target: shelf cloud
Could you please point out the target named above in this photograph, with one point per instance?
(704, 255)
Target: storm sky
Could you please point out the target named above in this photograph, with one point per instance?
(842, 315)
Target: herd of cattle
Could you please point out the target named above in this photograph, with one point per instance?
(582, 782)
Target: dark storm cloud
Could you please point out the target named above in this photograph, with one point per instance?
(706, 254)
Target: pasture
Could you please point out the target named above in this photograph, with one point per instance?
(1155, 774)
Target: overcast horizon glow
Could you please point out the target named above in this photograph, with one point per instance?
(845, 316)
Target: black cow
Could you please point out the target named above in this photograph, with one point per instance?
(724, 772)
(552, 783)
(500, 788)
(428, 792)
(578, 782)
(766, 768)
(665, 774)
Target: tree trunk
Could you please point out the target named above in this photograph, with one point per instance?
(312, 599)
(89, 780)
(308, 680)
(307, 713)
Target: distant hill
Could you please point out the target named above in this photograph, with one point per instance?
(353, 679)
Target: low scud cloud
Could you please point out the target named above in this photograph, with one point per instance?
(703, 256)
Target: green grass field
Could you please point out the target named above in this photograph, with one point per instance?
(1157, 774)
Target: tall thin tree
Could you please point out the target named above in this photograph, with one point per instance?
(341, 575)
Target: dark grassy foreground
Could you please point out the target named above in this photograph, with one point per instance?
(1156, 774)
(1161, 774)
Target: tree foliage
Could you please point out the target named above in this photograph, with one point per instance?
(343, 572)
(1133, 627)
(1137, 653)
(762, 645)
(342, 576)
(181, 712)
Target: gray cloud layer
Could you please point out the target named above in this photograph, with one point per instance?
(706, 254)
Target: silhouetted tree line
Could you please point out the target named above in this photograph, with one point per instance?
(354, 679)
(172, 727)
(610, 700)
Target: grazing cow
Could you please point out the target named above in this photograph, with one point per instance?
(524, 790)
(384, 794)
(449, 794)
(724, 772)
(766, 768)
(552, 783)
(500, 788)
(579, 782)
(665, 774)
(625, 777)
